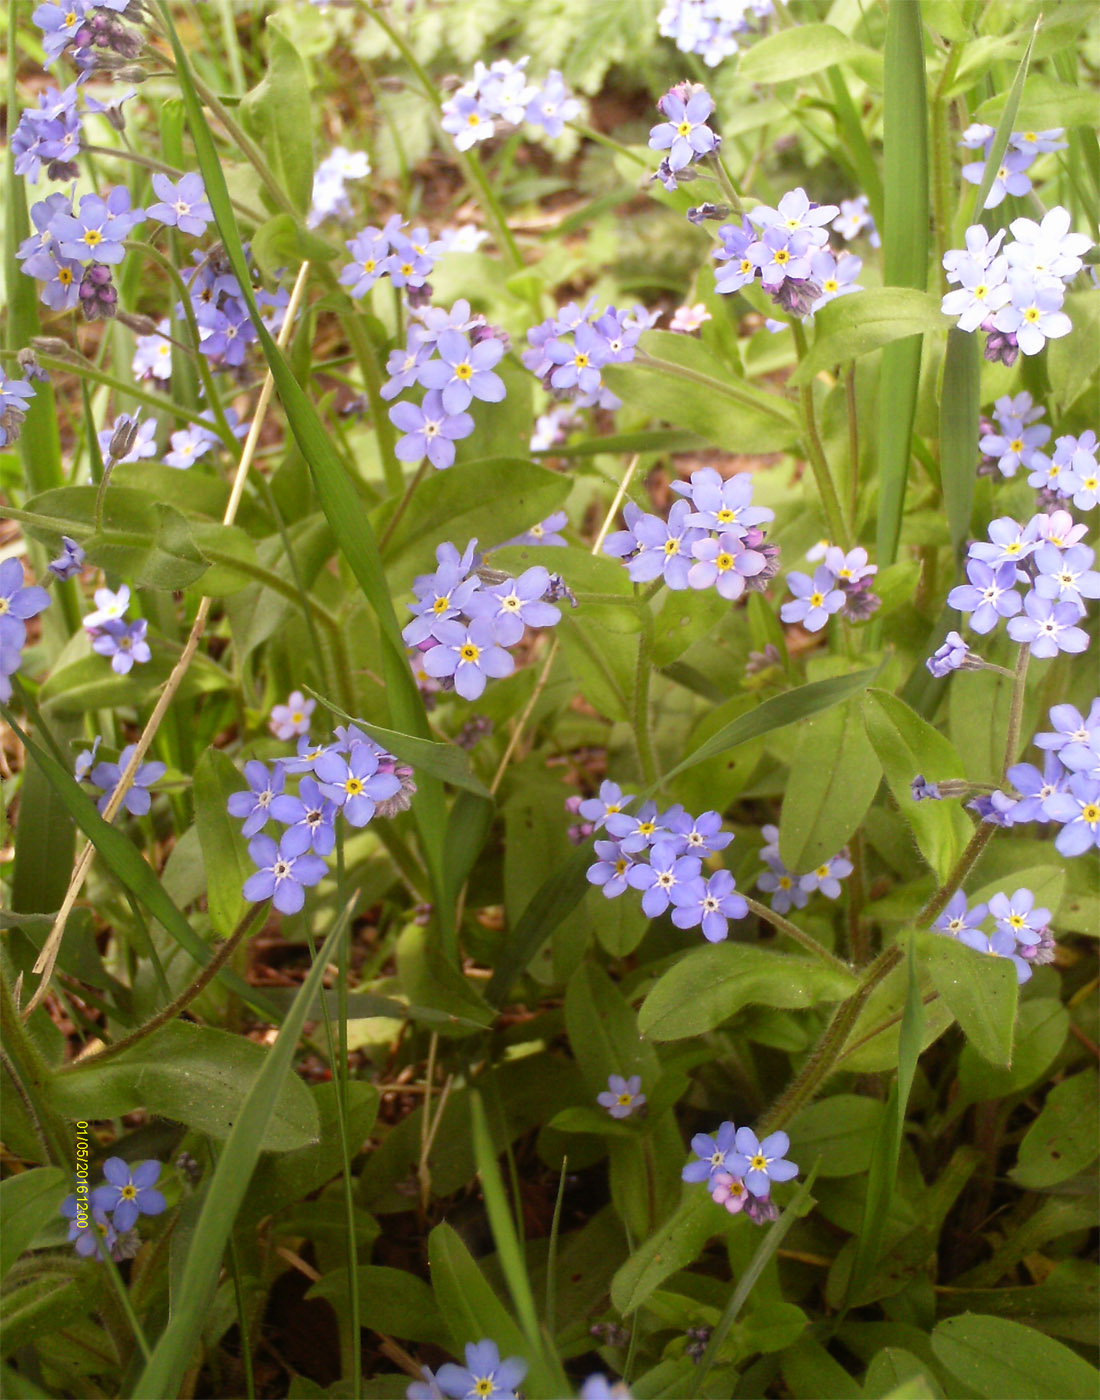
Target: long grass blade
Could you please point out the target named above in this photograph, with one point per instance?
(339, 499)
(905, 238)
(960, 412)
(172, 1354)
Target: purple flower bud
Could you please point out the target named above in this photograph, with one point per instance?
(1000, 347)
(702, 212)
(796, 297)
(98, 297)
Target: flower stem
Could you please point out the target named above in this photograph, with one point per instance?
(1016, 710)
(794, 932)
(642, 672)
(403, 504)
(815, 451)
(124, 1299)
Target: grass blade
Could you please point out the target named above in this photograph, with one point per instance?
(905, 254)
(884, 1158)
(960, 411)
(339, 499)
(172, 1354)
(509, 1252)
(797, 1207)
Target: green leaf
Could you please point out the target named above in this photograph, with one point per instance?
(679, 381)
(145, 540)
(874, 1041)
(1001, 136)
(1041, 1030)
(490, 501)
(1064, 1138)
(604, 1032)
(905, 240)
(280, 242)
(552, 902)
(27, 1200)
(596, 1122)
(836, 1134)
(981, 996)
(855, 325)
(793, 53)
(398, 1303)
(600, 644)
(125, 862)
(447, 762)
(1002, 1360)
(894, 1368)
(90, 684)
(1073, 359)
(673, 1245)
(277, 111)
(710, 985)
(224, 850)
(835, 777)
(195, 1075)
(959, 429)
(163, 1374)
(431, 980)
(1044, 103)
(908, 745)
(777, 713)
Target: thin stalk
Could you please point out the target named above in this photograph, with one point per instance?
(242, 1318)
(552, 1256)
(240, 934)
(159, 167)
(794, 932)
(232, 46)
(642, 671)
(721, 387)
(1016, 710)
(124, 1299)
(859, 943)
(591, 134)
(28, 1073)
(815, 451)
(853, 442)
(403, 504)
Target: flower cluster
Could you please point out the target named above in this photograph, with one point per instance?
(1044, 554)
(500, 96)
(1066, 791)
(225, 325)
(100, 1222)
(1020, 931)
(352, 776)
(49, 135)
(841, 583)
(111, 635)
(710, 28)
(622, 1097)
(684, 133)
(452, 355)
(661, 854)
(1072, 473)
(93, 30)
(739, 1169)
(718, 544)
(329, 196)
(789, 890)
(787, 248)
(1023, 147)
(18, 602)
(568, 351)
(1015, 294)
(405, 258)
(466, 617)
(73, 250)
(1018, 438)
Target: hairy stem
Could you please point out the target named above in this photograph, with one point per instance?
(815, 452)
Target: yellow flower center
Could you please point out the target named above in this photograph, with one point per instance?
(4, 605)
(746, 265)
(781, 255)
(354, 786)
(724, 516)
(473, 119)
(128, 1192)
(468, 652)
(580, 359)
(1090, 813)
(672, 546)
(1016, 445)
(369, 265)
(92, 236)
(464, 371)
(1031, 315)
(759, 1163)
(296, 717)
(406, 269)
(440, 605)
(784, 882)
(723, 562)
(64, 276)
(620, 866)
(625, 1100)
(483, 1385)
(684, 129)
(816, 599)
(981, 291)
(70, 19)
(831, 284)
(646, 828)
